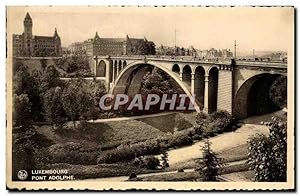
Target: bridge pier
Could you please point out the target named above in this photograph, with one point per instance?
(113, 73)
(180, 75)
(193, 84)
(206, 80)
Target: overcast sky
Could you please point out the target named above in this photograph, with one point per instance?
(258, 28)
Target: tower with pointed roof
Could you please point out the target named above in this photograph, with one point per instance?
(27, 35)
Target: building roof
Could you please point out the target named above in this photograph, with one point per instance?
(37, 37)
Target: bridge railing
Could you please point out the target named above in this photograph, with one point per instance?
(216, 60)
(172, 58)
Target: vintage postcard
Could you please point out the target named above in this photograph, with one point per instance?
(150, 98)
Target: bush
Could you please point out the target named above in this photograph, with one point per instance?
(268, 155)
(214, 123)
(148, 147)
(72, 153)
(180, 139)
(151, 162)
(29, 151)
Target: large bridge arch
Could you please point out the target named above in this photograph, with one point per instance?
(135, 71)
(252, 97)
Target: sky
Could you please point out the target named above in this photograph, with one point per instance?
(262, 29)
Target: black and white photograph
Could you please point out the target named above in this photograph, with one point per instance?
(150, 97)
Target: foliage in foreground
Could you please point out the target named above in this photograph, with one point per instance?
(268, 154)
(214, 123)
(149, 162)
(210, 165)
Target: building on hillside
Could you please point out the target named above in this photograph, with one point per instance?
(175, 51)
(98, 46)
(214, 53)
(29, 45)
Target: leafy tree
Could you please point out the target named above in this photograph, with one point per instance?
(49, 79)
(96, 90)
(24, 83)
(143, 47)
(21, 80)
(268, 155)
(158, 82)
(76, 64)
(278, 91)
(209, 165)
(22, 111)
(76, 99)
(54, 108)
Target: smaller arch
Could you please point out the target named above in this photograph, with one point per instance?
(111, 67)
(120, 66)
(176, 68)
(115, 65)
(199, 85)
(187, 74)
(213, 83)
(101, 69)
(124, 64)
(197, 67)
(213, 66)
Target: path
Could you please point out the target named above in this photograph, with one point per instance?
(219, 143)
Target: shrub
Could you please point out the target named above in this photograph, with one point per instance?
(214, 123)
(151, 162)
(152, 146)
(180, 139)
(72, 153)
(268, 155)
(29, 151)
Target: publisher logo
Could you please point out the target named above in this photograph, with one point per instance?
(22, 175)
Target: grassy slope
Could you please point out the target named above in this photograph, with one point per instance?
(118, 131)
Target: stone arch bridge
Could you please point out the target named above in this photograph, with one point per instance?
(239, 87)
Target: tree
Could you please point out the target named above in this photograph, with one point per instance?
(96, 90)
(278, 91)
(22, 80)
(76, 99)
(49, 79)
(22, 111)
(76, 64)
(54, 110)
(268, 155)
(158, 82)
(24, 83)
(209, 165)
